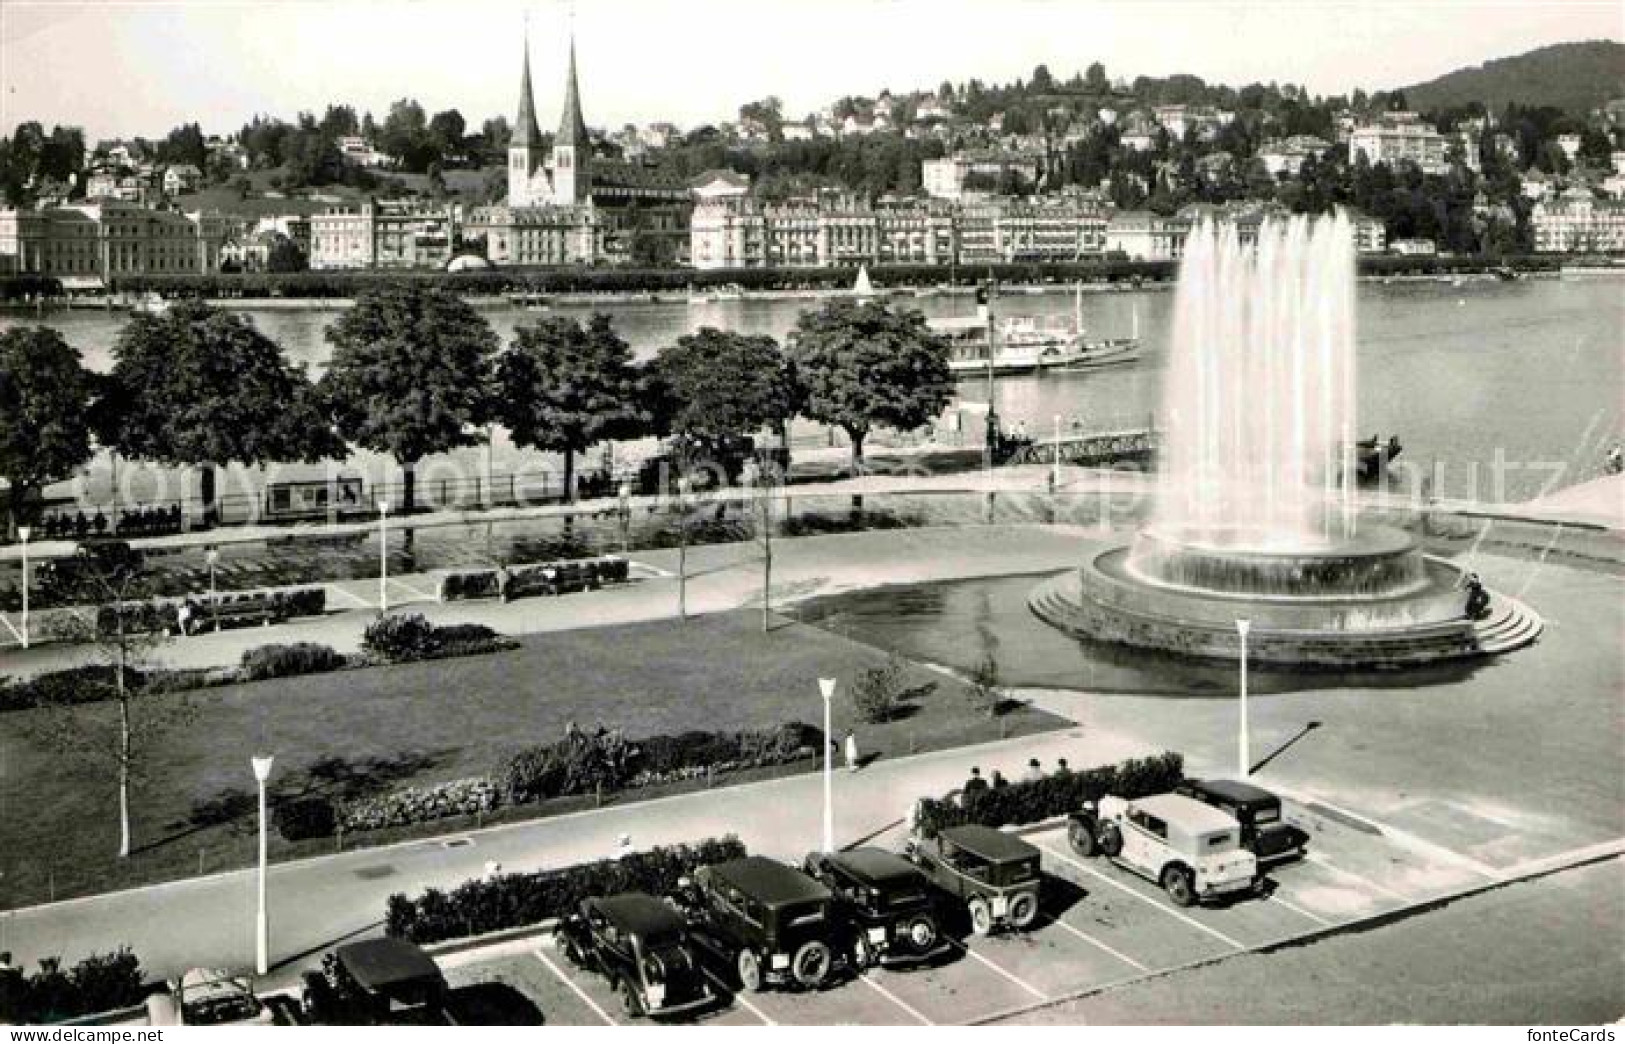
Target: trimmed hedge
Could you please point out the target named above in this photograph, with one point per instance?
(546, 578)
(1020, 803)
(100, 982)
(162, 614)
(286, 661)
(74, 685)
(493, 904)
(405, 637)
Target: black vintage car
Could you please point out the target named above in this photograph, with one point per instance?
(996, 875)
(376, 982)
(640, 944)
(1264, 832)
(890, 907)
(770, 922)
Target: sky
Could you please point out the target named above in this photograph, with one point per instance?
(134, 67)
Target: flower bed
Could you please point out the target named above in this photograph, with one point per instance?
(470, 796)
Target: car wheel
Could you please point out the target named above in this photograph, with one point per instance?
(630, 1003)
(981, 917)
(1176, 881)
(1081, 834)
(811, 963)
(863, 953)
(1111, 840)
(1023, 909)
(922, 933)
(750, 971)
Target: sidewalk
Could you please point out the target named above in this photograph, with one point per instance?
(318, 902)
(722, 577)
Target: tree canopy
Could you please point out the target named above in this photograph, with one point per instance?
(565, 387)
(718, 383)
(864, 365)
(45, 403)
(410, 373)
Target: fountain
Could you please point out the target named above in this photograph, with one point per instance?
(1255, 515)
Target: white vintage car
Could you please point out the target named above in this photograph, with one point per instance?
(1191, 849)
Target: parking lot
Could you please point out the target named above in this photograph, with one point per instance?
(1099, 925)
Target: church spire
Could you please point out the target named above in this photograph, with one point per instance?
(572, 128)
(526, 133)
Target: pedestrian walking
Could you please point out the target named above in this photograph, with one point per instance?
(974, 785)
(850, 746)
(183, 617)
(999, 782)
(1033, 773)
(504, 583)
(1616, 460)
(1062, 770)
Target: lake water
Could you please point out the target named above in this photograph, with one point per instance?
(1526, 373)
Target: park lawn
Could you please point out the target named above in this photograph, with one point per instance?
(378, 728)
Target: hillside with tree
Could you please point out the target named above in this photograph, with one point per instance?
(1574, 77)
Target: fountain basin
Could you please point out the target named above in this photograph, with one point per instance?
(1415, 621)
(1373, 564)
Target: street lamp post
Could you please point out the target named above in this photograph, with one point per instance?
(827, 687)
(1055, 462)
(624, 495)
(383, 556)
(262, 924)
(212, 556)
(1244, 766)
(682, 548)
(23, 533)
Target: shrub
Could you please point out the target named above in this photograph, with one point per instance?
(284, 661)
(398, 638)
(458, 797)
(984, 690)
(877, 690)
(73, 685)
(1038, 800)
(515, 900)
(100, 982)
(304, 818)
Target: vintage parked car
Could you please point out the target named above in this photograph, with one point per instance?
(1192, 850)
(1263, 832)
(374, 982)
(996, 875)
(889, 904)
(772, 923)
(640, 944)
(208, 997)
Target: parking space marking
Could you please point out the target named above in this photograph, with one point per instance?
(1029, 987)
(889, 995)
(1322, 861)
(739, 998)
(1092, 941)
(577, 990)
(415, 592)
(1402, 838)
(357, 599)
(1193, 922)
(1299, 910)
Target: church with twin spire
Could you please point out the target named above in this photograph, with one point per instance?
(568, 206)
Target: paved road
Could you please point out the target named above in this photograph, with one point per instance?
(209, 921)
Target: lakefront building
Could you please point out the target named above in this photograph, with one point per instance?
(383, 234)
(91, 244)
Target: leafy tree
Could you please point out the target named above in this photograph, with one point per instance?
(45, 401)
(405, 135)
(1095, 77)
(446, 131)
(564, 387)
(285, 256)
(767, 113)
(184, 145)
(721, 383)
(863, 365)
(202, 386)
(339, 122)
(410, 374)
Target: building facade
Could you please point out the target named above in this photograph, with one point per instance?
(1403, 137)
(383, 234)
(1575, 225)
(106, 240)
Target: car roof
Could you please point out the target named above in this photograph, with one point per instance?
(993, 845)
(639, 912)
(378, 963)
(1233, 790)
(770, 881)
(1187, 812)
(875, 864)
(201, 984)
